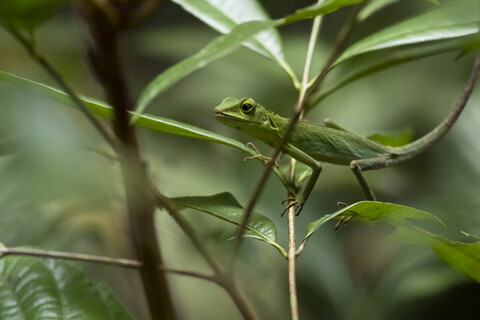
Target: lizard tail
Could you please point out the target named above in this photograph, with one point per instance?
(427, 141)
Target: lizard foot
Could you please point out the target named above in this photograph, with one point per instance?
(295, 202)
(343, 219)
(258, 155)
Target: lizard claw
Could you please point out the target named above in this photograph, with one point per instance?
(258, 155)
(295, 202)
(343, 219)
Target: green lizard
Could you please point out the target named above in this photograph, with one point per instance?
(312, 143)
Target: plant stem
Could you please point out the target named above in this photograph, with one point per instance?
(292, 279)
(125, 263)
(105, 59)
(292, 283)
(334, 55)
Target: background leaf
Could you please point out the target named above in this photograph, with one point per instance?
(455, 19)
(320, 8)
(32, 288)
(144, 121)
(358, 67)
(225, 44)
(395, 139)
(216, 49)
(224, 206)
(374, 6)
(377, 5)
(369, 211)
(224, 15)
(464, 257)
(28, 14)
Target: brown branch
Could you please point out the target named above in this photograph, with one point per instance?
(105, 59)
(117, 262)
(143, 12)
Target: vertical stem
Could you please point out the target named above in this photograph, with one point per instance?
(292, 279)
(292, 283)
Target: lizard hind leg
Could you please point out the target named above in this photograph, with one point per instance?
(358, 166)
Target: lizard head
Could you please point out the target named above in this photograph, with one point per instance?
(245, 115)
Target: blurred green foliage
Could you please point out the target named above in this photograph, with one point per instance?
(62, 189)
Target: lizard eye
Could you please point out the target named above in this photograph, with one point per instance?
(247, 108)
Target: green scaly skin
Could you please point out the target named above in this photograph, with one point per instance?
(313, 143)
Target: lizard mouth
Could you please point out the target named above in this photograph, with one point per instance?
(220, 114)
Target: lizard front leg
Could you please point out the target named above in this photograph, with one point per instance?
(258, 155)
(299, 200)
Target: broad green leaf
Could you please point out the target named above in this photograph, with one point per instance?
(224, 15)
(455, 19)
(224, 206)
(216, 49)
(370, 211)
(464, 257)
(144, 121)
(28, 14)
(37, 288)
(360, 66)
(395, 139)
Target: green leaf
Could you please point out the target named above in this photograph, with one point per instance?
(28, 14)
(320, 8)
(216, 49)
(391, 213)
(224, 206)
(464, 257)
(369, 211)
(455, 19)
(397, 139)
(144, 121)
(33, 288)
(374, 6)
(224, 15)
(361, 66)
